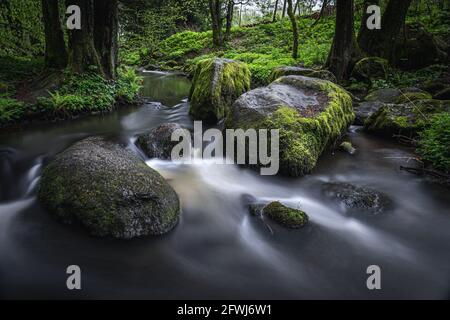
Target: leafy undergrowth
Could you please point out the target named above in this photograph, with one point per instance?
(78, 94)
(434, 142)
(262, 47)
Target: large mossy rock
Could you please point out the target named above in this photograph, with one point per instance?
(377, 99)
(405, 119)
(217, 83)
(417, 48)
(109, 190)
(282, 71)
(158, 142)
(310, 114)
(370, 69)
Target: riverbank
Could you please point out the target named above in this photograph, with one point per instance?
(30, 94)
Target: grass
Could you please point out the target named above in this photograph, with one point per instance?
(78, 94)
(263, 47)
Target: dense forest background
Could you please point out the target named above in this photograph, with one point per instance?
(48, 72)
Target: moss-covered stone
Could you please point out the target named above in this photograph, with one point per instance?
(405, 119)
(300, 71)
(357, 198)
(387, 95)
(371, 68)
(109, 190)
(412, 96)
(310, 114)
(158, 142)
(288, 217)
(216, 85)
(347, 147)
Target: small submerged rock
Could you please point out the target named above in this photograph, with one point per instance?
(354, 197)
(158, 142)
(285, 216)
(109, 190)
(347, 147)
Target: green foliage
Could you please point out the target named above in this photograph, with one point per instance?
(263, 47)
(434, 142)
(10, 110)
(90, 93)
(145, 24)
(21, 28)
(127, 85)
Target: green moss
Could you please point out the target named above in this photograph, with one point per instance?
(371, 68)
(262, 47)
(303, 139)
(413, 96)
(285, 216)
(11, 111)
(406, 119)
(216, 84)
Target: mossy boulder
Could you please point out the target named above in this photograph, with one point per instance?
(412, 96)
(217, 83)
(387, 95)
(406, 119)
(371, 68)
(300, 71)
(365, 109)
(158, 142)
(356, 198)
(310, 114)
(109, 190)
(288, 217)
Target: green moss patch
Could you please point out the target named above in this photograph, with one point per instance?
(216, 85)
(288, 217)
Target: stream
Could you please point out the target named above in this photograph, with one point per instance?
(218, 250)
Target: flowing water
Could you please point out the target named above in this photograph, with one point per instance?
(218, 250)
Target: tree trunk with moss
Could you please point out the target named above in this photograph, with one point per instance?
(215, 7)
(82, 53)
(55, 47)
(382, 42)
(106, 32)
(230, 13)
(290, 10)
(344, 51)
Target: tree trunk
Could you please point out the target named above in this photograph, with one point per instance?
(83, 55)
(382, 42)
(216, 19)
(290, 11)
(284, 9)
(55, 47)
(275, 11)
(364, 33)
(344, 51)
(106, 32)
(324, 7)
(230, 13)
